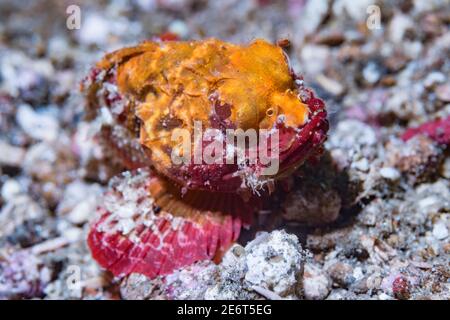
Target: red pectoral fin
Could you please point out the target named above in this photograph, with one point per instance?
(145, 227)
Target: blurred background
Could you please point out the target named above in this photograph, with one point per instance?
(381, 67)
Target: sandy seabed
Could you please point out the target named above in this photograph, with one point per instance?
(370, 220)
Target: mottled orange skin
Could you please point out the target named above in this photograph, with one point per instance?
(165, 86)
(172, 83)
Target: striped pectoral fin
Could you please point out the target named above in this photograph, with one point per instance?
(155, 241)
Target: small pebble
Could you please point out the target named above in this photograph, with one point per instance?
(384, 296)
(390, 173)
(10, 188)
(95, 30)
(180, 28)
(371, 73)
(39, 126)
(341, 273)
(440, 230)
(73, 234)
(433, 78)
(11, 155)
(361, 165)
(443, 92)
(316, 284)
(331, 85)
(356, 10)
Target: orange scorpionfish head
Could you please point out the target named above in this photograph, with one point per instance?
(157, 88)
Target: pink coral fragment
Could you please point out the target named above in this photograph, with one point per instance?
(437, 130)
